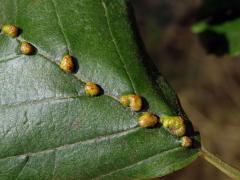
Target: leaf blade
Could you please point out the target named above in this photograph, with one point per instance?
(49, 128)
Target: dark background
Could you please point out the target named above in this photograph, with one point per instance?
(208, 85)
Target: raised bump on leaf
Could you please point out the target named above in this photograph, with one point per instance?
(26, 48)
(175, 124)
(133, 101)
(186, 141)
(67, 64)
(92, 89)
(147, 119)
(10, 30)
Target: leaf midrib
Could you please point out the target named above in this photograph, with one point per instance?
(6, 59)
(88, 141)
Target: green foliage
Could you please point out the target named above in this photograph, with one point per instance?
(228, 30)
(49, 127)
(219, 25)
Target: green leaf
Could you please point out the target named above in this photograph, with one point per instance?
(219, 25)
(49, 128)
(230, 29)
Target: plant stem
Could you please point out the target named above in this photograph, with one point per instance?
(222, 166)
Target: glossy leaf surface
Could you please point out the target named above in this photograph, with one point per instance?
(49, 128)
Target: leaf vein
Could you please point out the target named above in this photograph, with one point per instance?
(54, 168)
(39, 101)
(9, 58)
(61, 26)
(25, 163)
(88, 141)
(116, 45)
(138, 162)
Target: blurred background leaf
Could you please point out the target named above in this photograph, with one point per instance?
(219, 25)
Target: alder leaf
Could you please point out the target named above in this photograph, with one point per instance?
(49, 128)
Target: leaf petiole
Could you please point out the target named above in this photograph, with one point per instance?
(221, 165)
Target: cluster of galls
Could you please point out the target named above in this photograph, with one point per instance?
(12, 31)
(175, 124)
(67, 65)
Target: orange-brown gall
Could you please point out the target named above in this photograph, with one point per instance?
(26, 48)
(92, 89)
(147, 120)
(133, 101)
(67, 64)
(10, 30)
(186, 141)
(175, 124)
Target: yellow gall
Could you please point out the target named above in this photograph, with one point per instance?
(124, 100)
(147, 120)
(186, 141)
(67, 64)
(133, 101)
(175, 124)
(10, 30)
(26, 48)
(92, 89)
